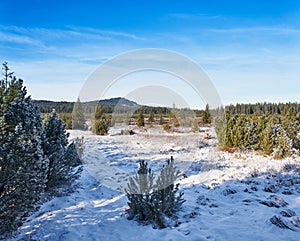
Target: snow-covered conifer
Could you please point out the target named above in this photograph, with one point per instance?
(23, 164)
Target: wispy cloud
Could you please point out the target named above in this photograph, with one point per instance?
(87, 45)
(99, 32)
(261, 29)
(18, 39)
(193, 16)
(71, 34)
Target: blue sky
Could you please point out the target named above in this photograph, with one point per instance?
(250, 49)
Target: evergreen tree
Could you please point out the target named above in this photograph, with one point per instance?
(67, 118)
(101, 124)
(166, 200)
(141, 121)
(151, 118)
(283, 145)
(99, 112)
(139, 192)
(206, 117)
(101, 127)
(220, 130)
(153, 203)
(161, 120)
(23, 165)
(63, 157)
(78, 119)
(24, 161)
(55, 147)
(229, 133)
(267, 140)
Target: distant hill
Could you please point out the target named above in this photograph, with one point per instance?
(119, 101)
(47, 106)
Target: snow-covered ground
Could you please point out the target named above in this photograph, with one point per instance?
(239, 196)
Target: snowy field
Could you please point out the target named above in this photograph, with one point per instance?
(238, 196)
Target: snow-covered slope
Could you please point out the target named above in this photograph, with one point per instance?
(228, 196)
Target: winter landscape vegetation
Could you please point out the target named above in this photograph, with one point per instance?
(149, 120)
(160, 174)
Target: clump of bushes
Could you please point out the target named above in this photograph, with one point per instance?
(154, 201)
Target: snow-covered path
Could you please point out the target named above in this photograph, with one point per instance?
(226, 197)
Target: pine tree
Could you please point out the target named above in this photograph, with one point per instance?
(151, 118)
(153, 203)
(283, 144)
(240, 132)
(161, 120)
(101, 124)
(229, 132)
(166, 200)
(221, 128)
(99, 112)
(23, 165)
(55, 147)
(78, 120)
(141, 121)
(101, 127)
(267, 140)
(206, 117)
(138, 193)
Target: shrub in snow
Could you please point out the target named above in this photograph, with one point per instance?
(101, 124)
(158, 202)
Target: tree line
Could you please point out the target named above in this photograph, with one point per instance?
(275, 134)
(263, 108)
